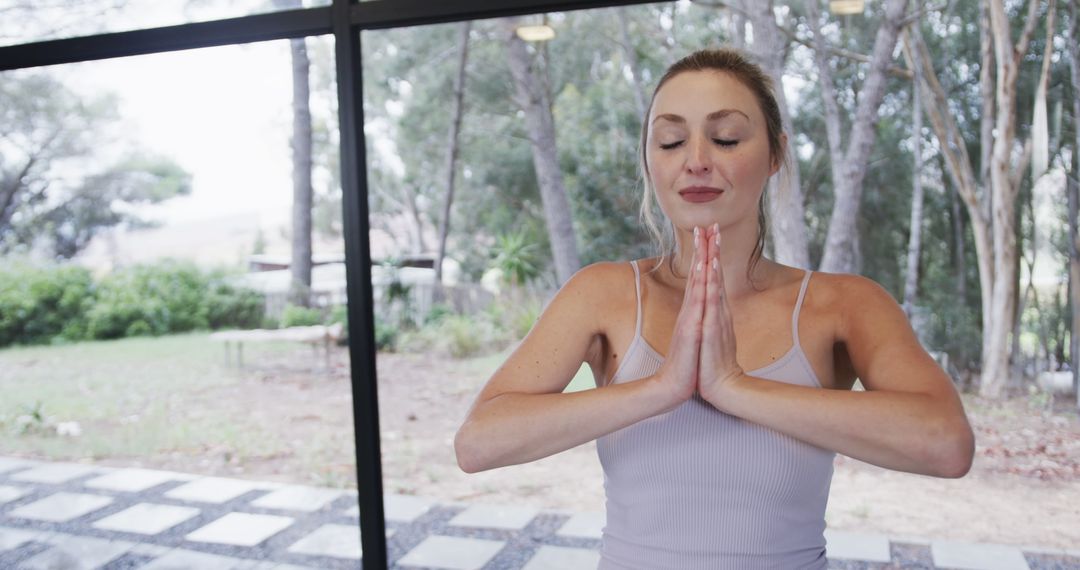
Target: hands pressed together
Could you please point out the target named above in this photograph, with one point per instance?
(701, 356)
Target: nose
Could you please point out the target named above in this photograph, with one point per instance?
(698, 159)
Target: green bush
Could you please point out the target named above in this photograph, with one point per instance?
(295, 316)
(438, 312)
(386, 337)
(459, 336)
(58, 303)
(228, 306)
(167, 297)
(40, 304)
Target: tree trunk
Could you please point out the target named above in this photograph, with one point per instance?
(300, 265)
(960, 252)
(533, 99)
(300, 262)
(408, 197)
(986, 90)
(1074, 200)
(1003, 191)
(785, 202)
(841, 242)
(915, 233)
(452, 153)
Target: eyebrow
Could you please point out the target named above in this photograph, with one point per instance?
(710, 117)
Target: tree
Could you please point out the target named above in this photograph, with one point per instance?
(53, 194)
(535, 100)
(300, 263)
(849, 165)
(993, 210)
(1073, 47)
(452, 147)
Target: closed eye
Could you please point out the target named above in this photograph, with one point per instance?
(721, 142)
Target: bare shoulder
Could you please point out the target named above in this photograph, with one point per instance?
(856, 299)
(591, 288)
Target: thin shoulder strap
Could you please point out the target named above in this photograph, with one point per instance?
(798, 306)
(637, 291)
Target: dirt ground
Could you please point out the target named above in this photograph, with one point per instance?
(1024, 487)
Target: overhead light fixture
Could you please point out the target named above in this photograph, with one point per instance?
(538, 33)
(847, 7)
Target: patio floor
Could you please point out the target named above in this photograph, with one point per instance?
(67, 515)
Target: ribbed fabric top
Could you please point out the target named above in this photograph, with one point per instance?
(695, 488)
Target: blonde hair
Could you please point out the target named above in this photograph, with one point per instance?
(738, 65)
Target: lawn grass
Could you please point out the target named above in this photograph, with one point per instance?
(131, 397)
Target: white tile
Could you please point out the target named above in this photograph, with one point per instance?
(130, 480)
(77, 552)
(908, 539)
(973, 556)
(563, 558)
(404, 508)
(61, 507)
(54, 473)
(147, 518)
(857, 546)
(297, 498)
(241, 529)
(212, 490)
(584, 525)
(494, 516)
(452, 552)
(336, 540)
(13, 463)
(12, 538)
(9, 493)
(180, 559)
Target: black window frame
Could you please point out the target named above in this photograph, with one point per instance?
(345, 20)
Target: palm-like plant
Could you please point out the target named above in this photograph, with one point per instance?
(517, 258)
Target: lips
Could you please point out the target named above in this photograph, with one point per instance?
(700, 194)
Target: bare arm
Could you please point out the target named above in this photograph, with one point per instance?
(910, 418)
(522, 415)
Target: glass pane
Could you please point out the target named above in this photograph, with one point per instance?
(149, 332)
(568, 126)
(23, 21)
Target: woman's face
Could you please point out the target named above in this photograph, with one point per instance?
(707, 150)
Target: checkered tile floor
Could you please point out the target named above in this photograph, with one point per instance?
(62, 515)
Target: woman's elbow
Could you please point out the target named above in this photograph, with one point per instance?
(468, 459)
(960, 455)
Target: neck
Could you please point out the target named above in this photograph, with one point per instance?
(736, 247)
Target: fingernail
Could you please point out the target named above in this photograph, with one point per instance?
(717, 240)
(714, 264)
(696, 233)
(699, 267)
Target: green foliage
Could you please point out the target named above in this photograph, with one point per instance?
(295, 316)
(438, 312)
(386, 336)
(230, 306)
(156, 299)
(38, 304)
(459, 336)
(517, 257)
(58, 303)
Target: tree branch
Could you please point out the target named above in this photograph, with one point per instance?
(1029, 29)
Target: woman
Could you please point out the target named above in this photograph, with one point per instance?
(718, 444)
